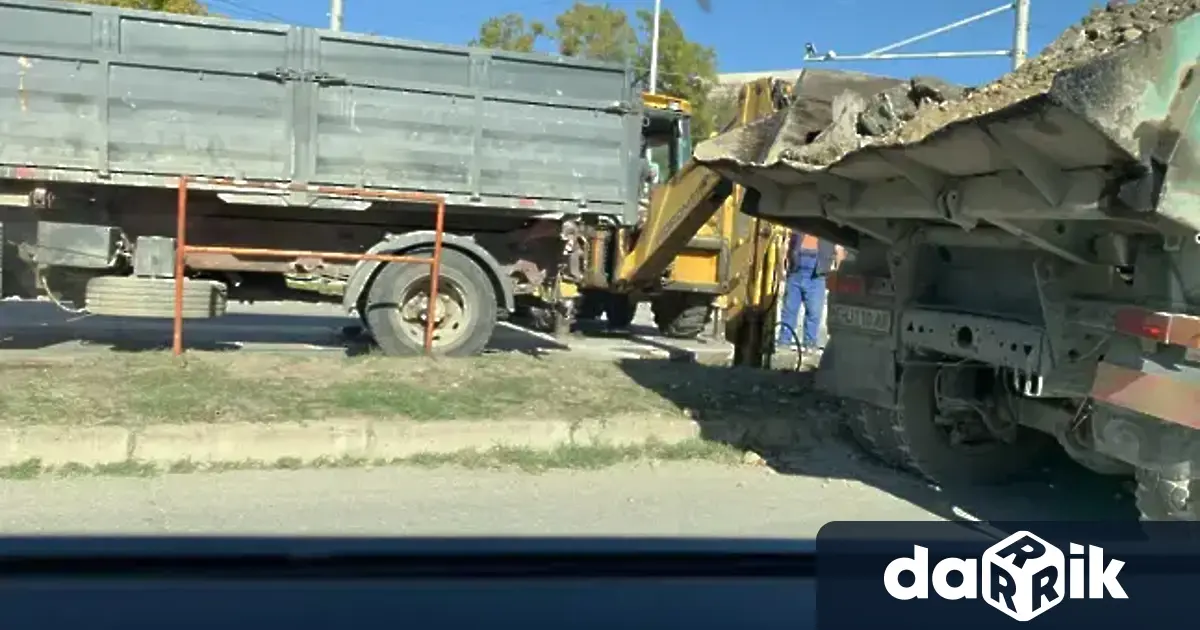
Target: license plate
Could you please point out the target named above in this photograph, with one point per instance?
(872, 319)
(1193, 354)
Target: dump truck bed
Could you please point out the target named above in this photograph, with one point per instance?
(105, 95)
(1088, 145)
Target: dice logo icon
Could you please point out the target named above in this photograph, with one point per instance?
(1023, 576)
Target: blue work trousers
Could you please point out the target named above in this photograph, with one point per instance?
(803, 287)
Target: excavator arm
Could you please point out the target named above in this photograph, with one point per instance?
(689, 200)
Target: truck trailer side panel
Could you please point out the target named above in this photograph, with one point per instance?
(104, 95)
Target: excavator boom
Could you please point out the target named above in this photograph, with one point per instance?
(690, 199)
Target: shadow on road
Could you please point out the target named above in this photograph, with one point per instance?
(818, 446)
(30, 325)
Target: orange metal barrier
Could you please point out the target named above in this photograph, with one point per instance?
(182, 248)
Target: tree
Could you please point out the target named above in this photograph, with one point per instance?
(722, 107)
(595, 31)
(510, 32)
(602, 32)
(685, 69)
(185, 7)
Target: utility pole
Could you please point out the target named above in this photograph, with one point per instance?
(653, 48)
(1020, 33)
(335, 15)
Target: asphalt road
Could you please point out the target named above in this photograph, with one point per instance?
(689, 499)
(32, 326)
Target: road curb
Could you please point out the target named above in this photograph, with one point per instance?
(332, 439)
(369, 440)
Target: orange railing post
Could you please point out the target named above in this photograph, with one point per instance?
(181, 203)
(182, 248)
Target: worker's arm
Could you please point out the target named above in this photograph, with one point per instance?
(838, 256)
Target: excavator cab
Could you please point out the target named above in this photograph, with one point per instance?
(666, 134)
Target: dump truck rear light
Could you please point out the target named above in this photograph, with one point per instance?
(845, 283)
(1169, 328)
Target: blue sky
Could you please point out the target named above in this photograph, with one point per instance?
(769, 37)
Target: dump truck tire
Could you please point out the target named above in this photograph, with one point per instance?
(873, 429)
(924, 448)
(129, 296)
(1167, 497)
(466, 307)
(682, 315)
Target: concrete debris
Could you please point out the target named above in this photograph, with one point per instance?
(769, 140)
(891, 109)
(908, 113)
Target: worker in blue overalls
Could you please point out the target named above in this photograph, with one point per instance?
(808, 261)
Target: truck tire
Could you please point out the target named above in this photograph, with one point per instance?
(925, 449)
(130, 296)
(1167, 497)
(872, 428)
(682, 315)
(466, 310)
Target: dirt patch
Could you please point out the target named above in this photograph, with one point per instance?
(1103, 30)
(140, 389)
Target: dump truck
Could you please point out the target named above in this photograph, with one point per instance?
(1026, 257)
(296, 147)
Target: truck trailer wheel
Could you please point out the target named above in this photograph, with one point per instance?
(924, 445)
(682, 315)
(130, 296)
(398, 300)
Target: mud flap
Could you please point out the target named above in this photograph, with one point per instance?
(859, 367)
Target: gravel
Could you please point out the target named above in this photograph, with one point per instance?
(910, 113)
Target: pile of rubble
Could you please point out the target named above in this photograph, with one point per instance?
(910, 112)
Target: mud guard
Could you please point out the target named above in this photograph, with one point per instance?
(859, 367)
(365, 270)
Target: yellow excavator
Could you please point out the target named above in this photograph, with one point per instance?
(698, 250)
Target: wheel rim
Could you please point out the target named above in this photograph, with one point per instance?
(451, 317)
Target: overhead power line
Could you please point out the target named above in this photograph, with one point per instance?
(1019, 51)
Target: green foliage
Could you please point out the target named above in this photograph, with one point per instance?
(685, 69)
(600, 31)
(595, 31)
(723, 108)
(510, 32)
(185, 7)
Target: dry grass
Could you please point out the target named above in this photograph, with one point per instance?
(144, 388)
(496, 458)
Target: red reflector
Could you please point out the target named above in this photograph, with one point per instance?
(1144, 324)
(842, 283)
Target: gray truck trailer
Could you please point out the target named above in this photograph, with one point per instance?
(104, 110)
